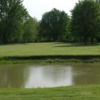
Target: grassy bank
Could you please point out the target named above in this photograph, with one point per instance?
(56, 52)
(48, 61)
(62, 93)
(44, 49)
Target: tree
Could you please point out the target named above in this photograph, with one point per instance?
(12, 15)
(53, 26)
(97, 1)
(85, 22)
(30, 29)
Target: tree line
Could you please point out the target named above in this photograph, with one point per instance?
(17, 26)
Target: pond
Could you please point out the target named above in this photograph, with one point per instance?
(40, 76)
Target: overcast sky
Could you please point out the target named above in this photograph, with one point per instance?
(37, 8)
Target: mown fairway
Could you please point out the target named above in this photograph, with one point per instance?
(62, 93)
(40, 49)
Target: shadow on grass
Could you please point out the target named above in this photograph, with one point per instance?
(63, 44)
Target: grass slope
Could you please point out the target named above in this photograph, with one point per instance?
(61, 93)
(43, 49)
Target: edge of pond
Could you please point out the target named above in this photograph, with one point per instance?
(50, 59)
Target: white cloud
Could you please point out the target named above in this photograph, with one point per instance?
(37, 8)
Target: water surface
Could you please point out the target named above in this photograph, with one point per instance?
(34, 76)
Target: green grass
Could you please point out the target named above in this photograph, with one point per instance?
(60, 93)
(44, 49)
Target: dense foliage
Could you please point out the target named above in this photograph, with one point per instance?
(12, 14)
(54, 26)
(13, 17)
(85, 22)
(17, 26)
(30, 30)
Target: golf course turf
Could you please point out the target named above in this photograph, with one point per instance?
(85, 92)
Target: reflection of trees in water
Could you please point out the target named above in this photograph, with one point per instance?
(57, 73)
(87, 74)
(19, 76)
(12, 76)
(49, 76)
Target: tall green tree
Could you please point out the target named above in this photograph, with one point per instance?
(30, 29)
(12, 15)
(97, 1)
(53, 26)
(85, 22)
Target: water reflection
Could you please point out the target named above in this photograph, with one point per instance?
(49, 76)
(87, 74)
(11, 76)
(31, 76)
